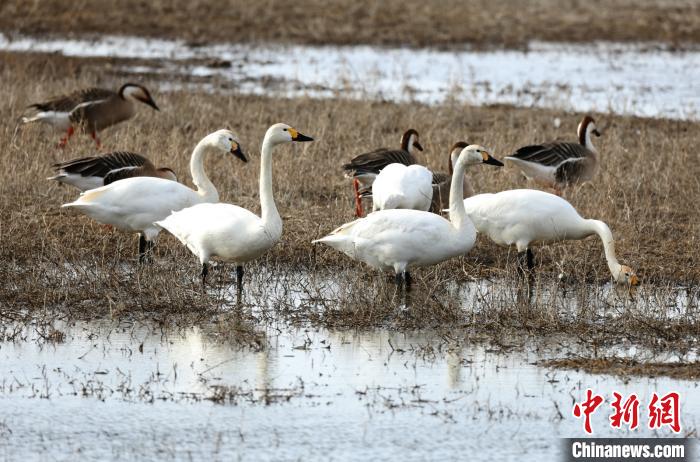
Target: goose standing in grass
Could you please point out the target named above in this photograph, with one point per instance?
(441, 181)
(364, 168)
(399, 240)
(95, 171)
(521, 217)
(232, 233)
(559, 164)
(91, 109)
(135, 204)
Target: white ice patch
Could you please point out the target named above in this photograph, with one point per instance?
(638, 79)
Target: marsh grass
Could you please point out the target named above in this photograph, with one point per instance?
(481, 23)
(53, 259)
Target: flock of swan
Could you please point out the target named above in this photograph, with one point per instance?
(405, 230)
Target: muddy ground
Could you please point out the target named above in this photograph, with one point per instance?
(445, 23)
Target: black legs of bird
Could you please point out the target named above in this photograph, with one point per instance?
(239, 276)
(526, 260)
(403, 279)
(205, 271)
(145, 249)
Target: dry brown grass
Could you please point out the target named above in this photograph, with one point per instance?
(628, 367)
(389, 22)
(647, 192)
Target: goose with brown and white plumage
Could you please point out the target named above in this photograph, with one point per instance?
(91, 109)
(94, 171)
(364, 168)
(559, 164)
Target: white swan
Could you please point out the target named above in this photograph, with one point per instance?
(522, 216)
(399, 186)
(135, 204)
(229, 232)
(398, 240)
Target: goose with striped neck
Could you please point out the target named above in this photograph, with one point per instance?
(522, 217)
(90, 109)
(229, 232)
(135, 204)
(399, 240)
(559, 164)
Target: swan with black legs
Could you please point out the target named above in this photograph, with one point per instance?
(229, 232)
(399, 240)
(522, 217)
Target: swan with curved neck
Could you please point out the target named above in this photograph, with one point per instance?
(523, 216)
(231, 233)
(135, 204)
(398, 240)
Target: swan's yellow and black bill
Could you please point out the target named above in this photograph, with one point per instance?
(238, 152)
(296, 136)
(634, 280)
(417, 145)
(487, 159)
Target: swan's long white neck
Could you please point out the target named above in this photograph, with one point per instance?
(270, 216)
(205, 188)
(458, 215)
(603, 231)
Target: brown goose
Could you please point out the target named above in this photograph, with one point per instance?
(91, 109)
(364, 168)
(559, 164)
(95, 171)
(442, 181)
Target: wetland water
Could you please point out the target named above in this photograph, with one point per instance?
(115, 390)
(119, 390)
(644, 79)
(124, 391)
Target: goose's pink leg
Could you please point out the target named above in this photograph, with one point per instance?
(66, 137)
(358, 200)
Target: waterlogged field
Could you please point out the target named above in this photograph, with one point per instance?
(129, 390)
(321, 358)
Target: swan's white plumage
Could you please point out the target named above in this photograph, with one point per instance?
(522, 217)
(399, 240)
(135, 204)
(399, 186)
(224, 231)
(229, 232)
